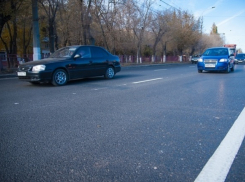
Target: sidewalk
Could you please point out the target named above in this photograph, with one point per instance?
(7, 73)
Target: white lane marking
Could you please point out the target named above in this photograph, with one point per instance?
(100, 88)
(95, 89)
(122, 85)
(147, 80)
(218, 166)
(160, 70)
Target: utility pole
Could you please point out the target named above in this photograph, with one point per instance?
(36, 35)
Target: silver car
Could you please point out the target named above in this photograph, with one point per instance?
(195, 58)
(240, 58)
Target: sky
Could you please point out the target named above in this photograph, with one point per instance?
(228, 15)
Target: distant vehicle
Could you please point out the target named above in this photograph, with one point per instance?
(232, 48)
(240, 58)
(194, 59)
(216, 59)
(69, 63)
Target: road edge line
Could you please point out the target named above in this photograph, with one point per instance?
(218, 166)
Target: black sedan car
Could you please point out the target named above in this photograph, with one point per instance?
(70, 63)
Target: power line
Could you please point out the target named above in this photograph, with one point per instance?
(170, 5)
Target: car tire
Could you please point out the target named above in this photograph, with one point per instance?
(233, 68)
(199, 71)
(60, 77)
(228, 69)
(110, 73)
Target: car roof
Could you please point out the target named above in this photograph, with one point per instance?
(218, 48)
(83, 46)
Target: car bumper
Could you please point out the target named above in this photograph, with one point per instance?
(35, 76)
(117, 68)
(216, 67)
(239, 61)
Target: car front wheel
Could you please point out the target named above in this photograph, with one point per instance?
(110, 73)
(59, 77)
(199, 71)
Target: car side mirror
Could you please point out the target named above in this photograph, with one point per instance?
(77, 56)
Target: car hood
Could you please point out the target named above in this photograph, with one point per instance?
(45, 61)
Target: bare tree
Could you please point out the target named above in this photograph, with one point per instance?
(86, 19)
(25, 25)
(159, 26)
(141, 22)
(50, 7)
(8, 16)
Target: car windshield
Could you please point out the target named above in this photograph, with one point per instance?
(216, 52)
(196, 56)
(66, 52)
(240, 56)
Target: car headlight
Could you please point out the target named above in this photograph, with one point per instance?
(200, 60)
(39, 68)
(223, 60)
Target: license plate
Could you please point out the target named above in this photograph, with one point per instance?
(210, 65)
(21, 73)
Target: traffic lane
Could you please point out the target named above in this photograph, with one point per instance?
(138, 149)
(236, 172)
(121, 81)
(132, 127)
(156, 167)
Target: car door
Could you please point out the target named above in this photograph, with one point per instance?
(100, 59)
(81, 65)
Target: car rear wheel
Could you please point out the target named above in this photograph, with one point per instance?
(232, 69)
(59, 77)
(228, 69)
(110, 73)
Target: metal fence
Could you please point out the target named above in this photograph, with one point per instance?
(13, 60)
(157, 59)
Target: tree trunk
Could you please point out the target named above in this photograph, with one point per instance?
(51, 36)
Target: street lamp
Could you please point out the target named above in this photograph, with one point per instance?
(209, 9)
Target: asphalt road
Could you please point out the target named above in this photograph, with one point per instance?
(149, 123)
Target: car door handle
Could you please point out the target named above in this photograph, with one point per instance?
(90, 62)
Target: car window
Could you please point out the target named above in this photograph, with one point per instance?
(223, 52)
(63, 52)
(84, 52)
(97, 52)
(196, 56)
(216, 52)
(240, 56)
